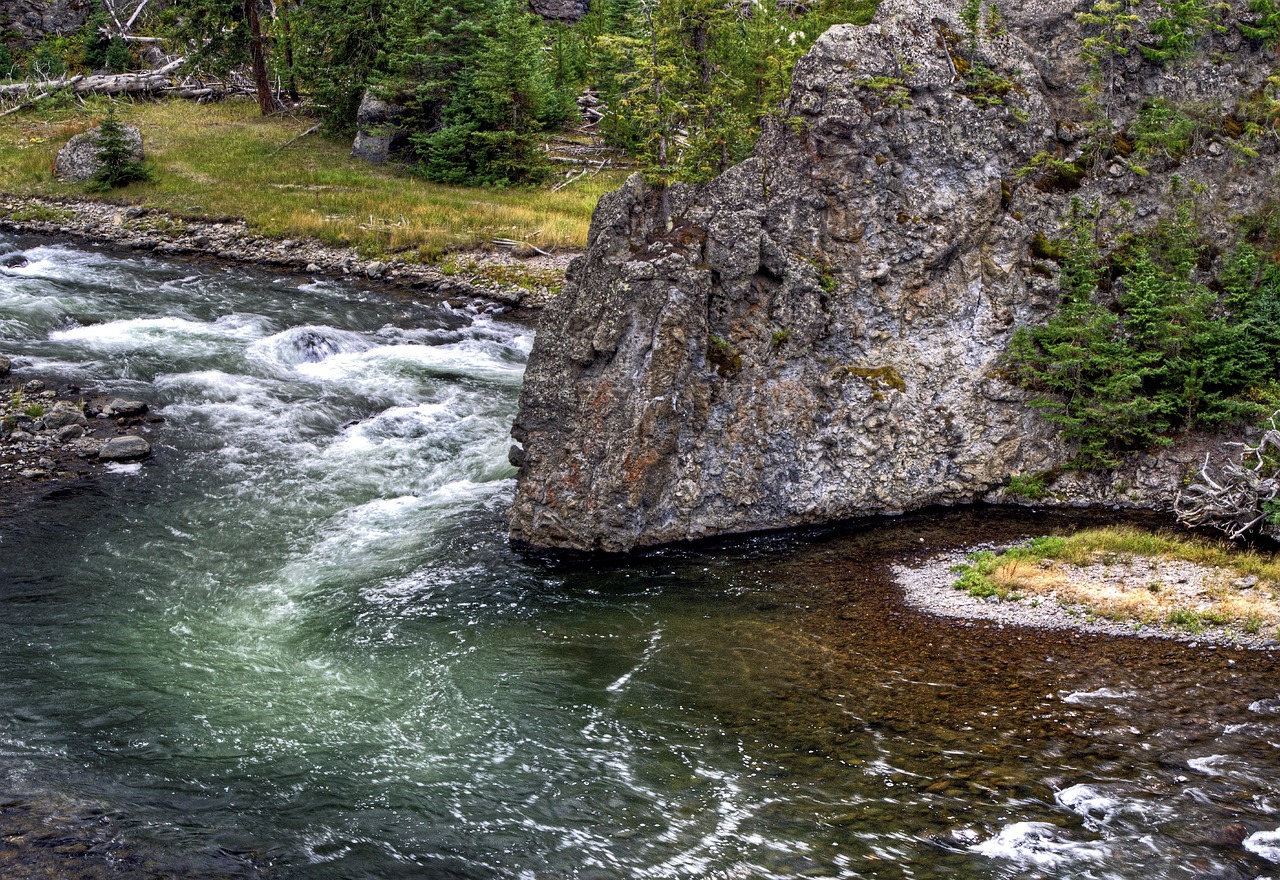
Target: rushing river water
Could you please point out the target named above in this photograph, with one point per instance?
(295, 644)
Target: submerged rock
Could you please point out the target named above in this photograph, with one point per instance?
(816, 334)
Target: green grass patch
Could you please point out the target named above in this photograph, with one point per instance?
(1129, 575)
(225, 160)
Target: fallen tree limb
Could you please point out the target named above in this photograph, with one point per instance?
(37, 99)
(289, 143)
(1243, 495)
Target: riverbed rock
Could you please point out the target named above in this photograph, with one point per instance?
(64, 414)
(127, 408)
(5, 366)
(78, 158)
(129, 447)
(817, 334)
(14, 261)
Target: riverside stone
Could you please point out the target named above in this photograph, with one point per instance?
(127, 448)
(817, 334)
(64, 414)
(127, 408)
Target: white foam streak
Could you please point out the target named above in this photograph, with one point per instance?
(1038, 844)
(1265, 844)
(1101, 694)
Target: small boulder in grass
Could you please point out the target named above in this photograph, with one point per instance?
(127, 448)
(108, 156)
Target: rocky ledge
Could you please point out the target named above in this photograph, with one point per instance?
(817, 334)
(231, 240)
(50, 436)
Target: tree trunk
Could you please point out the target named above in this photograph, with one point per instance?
(258, 54)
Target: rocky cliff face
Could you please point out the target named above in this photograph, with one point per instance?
(816, 334)
(31, 20)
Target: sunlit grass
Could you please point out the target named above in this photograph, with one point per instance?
(1128, 575)
(224, 160)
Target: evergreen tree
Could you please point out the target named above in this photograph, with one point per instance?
(342, 47)
(488, 130)
(226, 34)
(117, 164)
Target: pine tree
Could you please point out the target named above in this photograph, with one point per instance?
(117, 164)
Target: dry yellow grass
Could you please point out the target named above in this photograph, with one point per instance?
(1129, 575)
(226, 160)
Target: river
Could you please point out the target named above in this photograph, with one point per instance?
(295, 644)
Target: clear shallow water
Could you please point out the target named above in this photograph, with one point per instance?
(295, 643)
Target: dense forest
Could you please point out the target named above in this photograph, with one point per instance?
(681, 85)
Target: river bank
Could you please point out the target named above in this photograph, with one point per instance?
(930, 586)
(521, 286)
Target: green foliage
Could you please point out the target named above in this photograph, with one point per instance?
(1053, 174)
(891, 90)
(1179, 30)
(688, 83)
(1162, 129)
(339, 49)
(1266, 27)
(724, 356)
(1032, 487)
(117, 165)
(118, 57)
(1110, 25)
(1160, 352)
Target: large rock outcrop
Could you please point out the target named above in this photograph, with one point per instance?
(816, 334)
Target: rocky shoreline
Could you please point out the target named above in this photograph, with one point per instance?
(230, 240)
(56, 435)
(929, 586)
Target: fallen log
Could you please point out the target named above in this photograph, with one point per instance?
(146, 83)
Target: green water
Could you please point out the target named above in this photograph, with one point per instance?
(295, 644)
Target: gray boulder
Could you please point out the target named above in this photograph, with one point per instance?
(64, 414)
(127, 408)
(127, 448)
(379, 131)
(78, 158)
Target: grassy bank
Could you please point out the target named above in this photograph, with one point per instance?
(1130, 576)
(222, 160)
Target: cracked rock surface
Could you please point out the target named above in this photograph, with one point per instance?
(816, 334)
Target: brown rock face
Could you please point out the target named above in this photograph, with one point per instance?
(816, 334)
